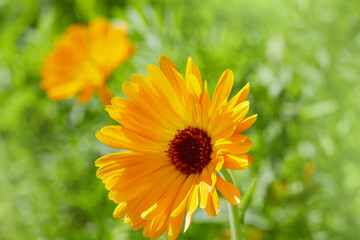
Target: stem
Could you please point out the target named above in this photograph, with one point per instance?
(233, 210)
(245, 201)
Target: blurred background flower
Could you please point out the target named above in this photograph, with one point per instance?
(83, 60)
(301, 57)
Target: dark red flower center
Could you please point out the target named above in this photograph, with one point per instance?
(190, 150)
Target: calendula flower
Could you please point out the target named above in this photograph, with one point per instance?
(83, 59)
(177, 139)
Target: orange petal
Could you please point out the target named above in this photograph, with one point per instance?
(222, 90)
(192, 205)
(242, 147)
(246, 123)
(123, 110)
(193, 85)
(174, 226)
(85, 95)
(237, 162)
(239, 97)
(191, 68)
(233, 147)
(213, 204)
(119, 211)
(64, 90)
(167, 66)
(164, 88)
(148, 198)
(228, 190)
(193, 200)
(204, 187)
(220, 163)
(224, 127)
(181, 199)
(119, 137)
(157, 226)
(240, 111)
(105, 94)
(205, 102)
(188, 219)
(166, 201)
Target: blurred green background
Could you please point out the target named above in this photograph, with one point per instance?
(302, 59)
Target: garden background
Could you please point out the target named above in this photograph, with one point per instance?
(302, 59)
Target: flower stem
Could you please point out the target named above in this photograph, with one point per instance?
(245, 201)
(233, 210)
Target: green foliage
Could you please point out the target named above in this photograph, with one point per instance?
(302, 59)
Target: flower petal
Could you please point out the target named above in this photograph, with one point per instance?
(239, 97)
(237, 162)
(105, 94)
(134, 116)
(240, 111)
(228, 190)
(191, 68)
(181, 199)
(213, 204)
(246, 123)
(222, 90)
(166, 91)
(204, 187)
(193, 85)
(64, 90)
(147, 199)
(167, 66)
(234, 147)
(192, 205)
(174, 226)
(119, 137)
(166, 201)
(205, 102)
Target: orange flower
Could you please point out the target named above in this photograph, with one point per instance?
(177, 138)
(83, 59)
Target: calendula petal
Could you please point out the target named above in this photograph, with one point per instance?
(228, 190)
(85, 95)
(166, 201)
(237, 162)
(123, 110)
(168, 67)
(245, 123)
(64, 90)
(164, 88)
(174, 226)
(233, 147)
(193, 85)
(213, 204)
(181, 199)
(192, 69)
(204, 187)
(119, 137)
(240, 111)
(145, 201)
(222, 90)
(239, 97)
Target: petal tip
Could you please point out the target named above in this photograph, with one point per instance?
(97, 134)
(162, 58)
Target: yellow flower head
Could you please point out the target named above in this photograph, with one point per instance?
(177, 138)
(83, 59)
